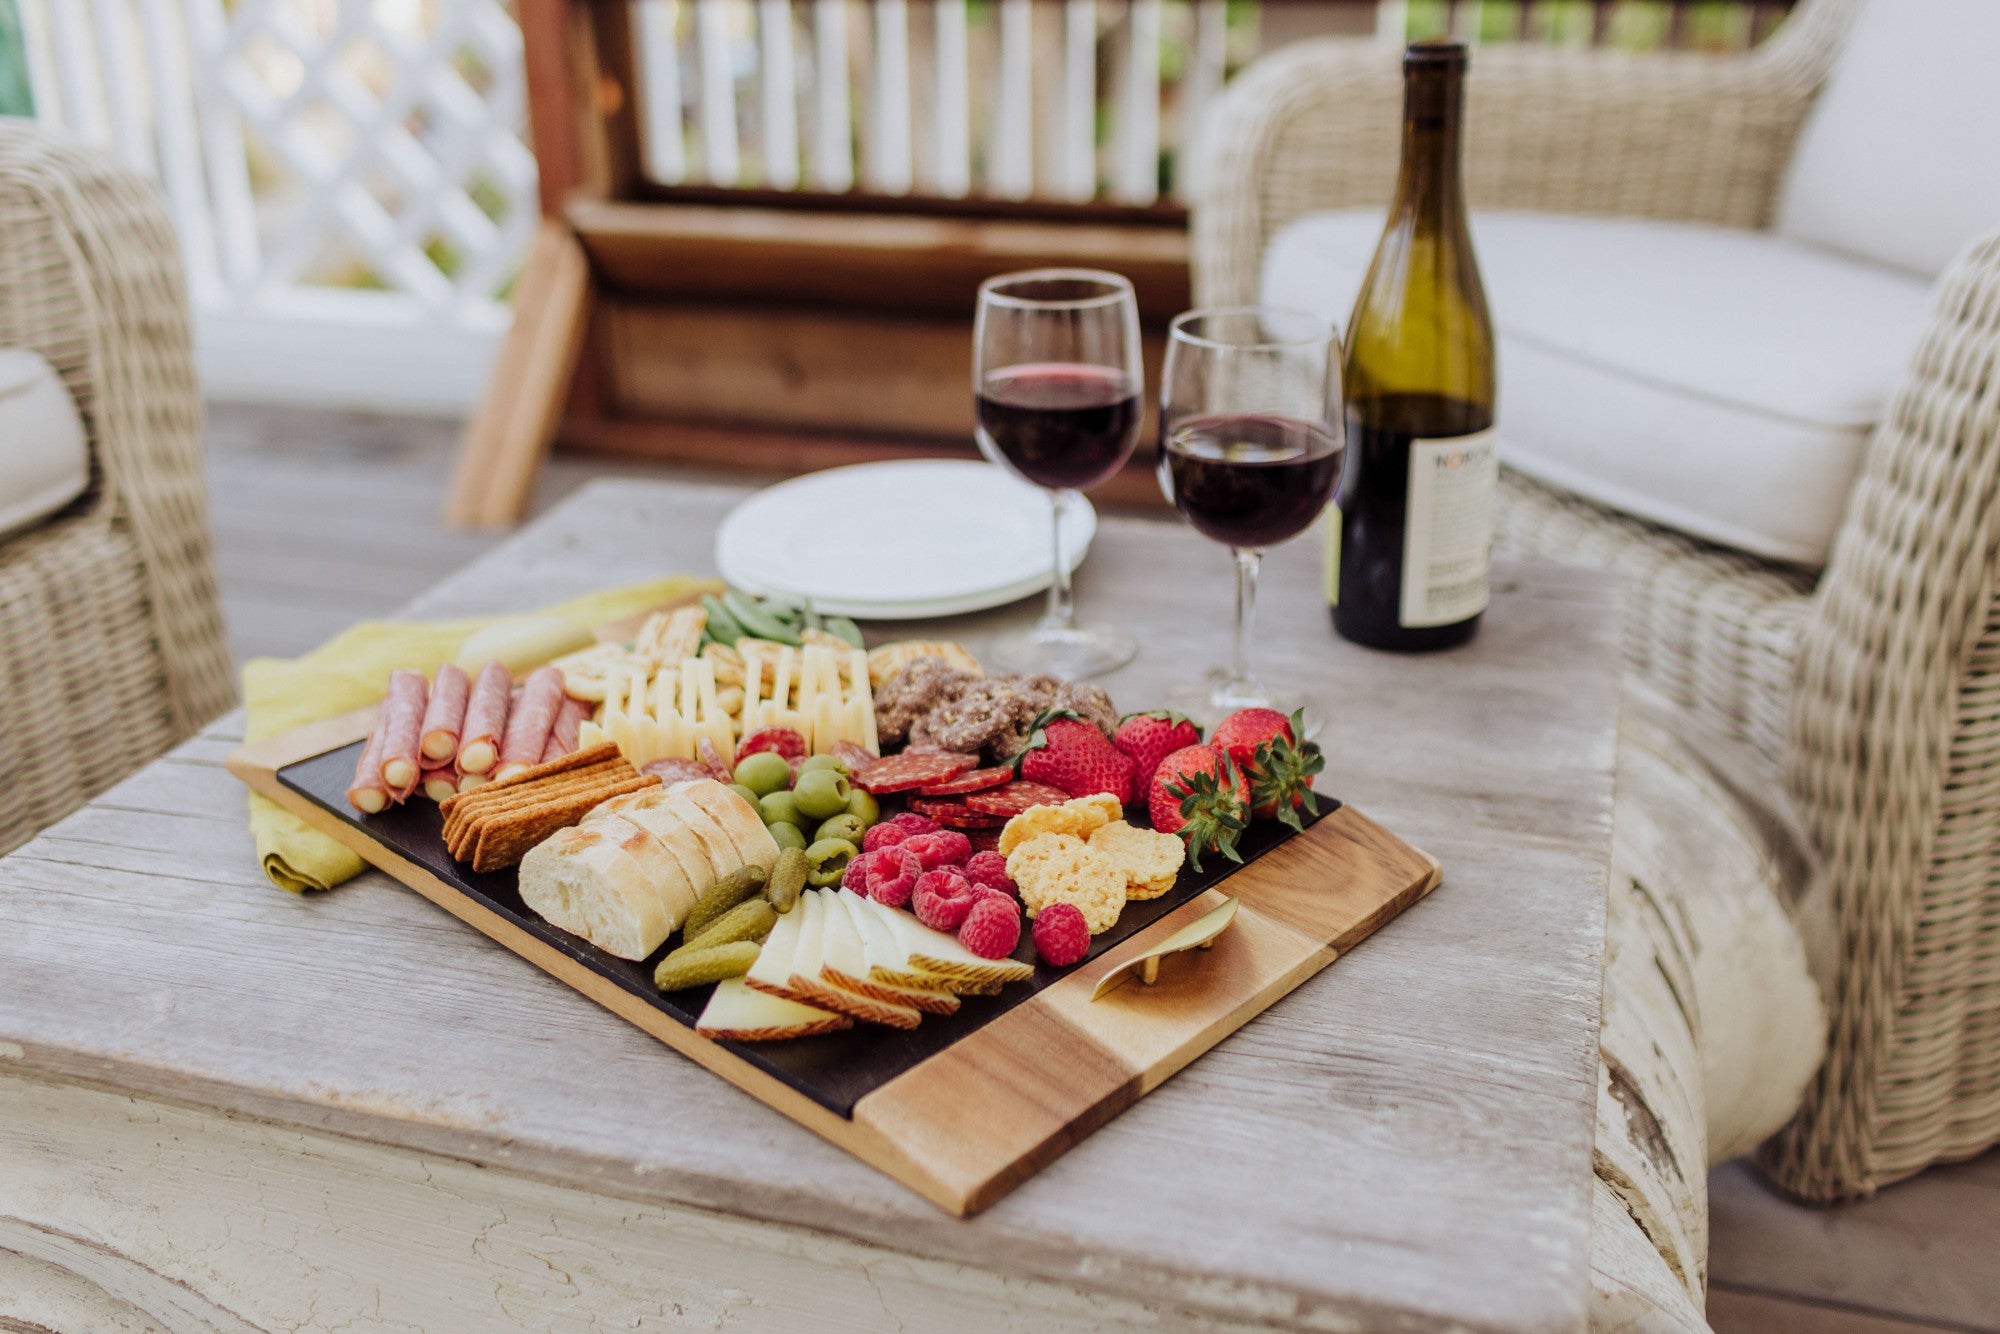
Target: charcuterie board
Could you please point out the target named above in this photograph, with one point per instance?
(1043, 1063)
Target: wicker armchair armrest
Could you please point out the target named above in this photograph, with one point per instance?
(1314, 126)
(1895, 763)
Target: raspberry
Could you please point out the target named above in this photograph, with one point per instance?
(1061, 937)
(993, 928)
(990, 870)
(856, 875)
(892, 876)
(943, 898)
(946, 847)
(884, 835)
(916, 824)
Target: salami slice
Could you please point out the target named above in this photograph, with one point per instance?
(1014, 798)
(444, 715)
(956, 815)
(856, 758)
(976, 780)
(673, 770)
(712, 761)
(781, 741)
(900, 773)
(983, 840)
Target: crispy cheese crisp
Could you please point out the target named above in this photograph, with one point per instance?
(1150, 860)
(1080, 816)
(1062, 868)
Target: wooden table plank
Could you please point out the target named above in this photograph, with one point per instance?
(1408, 1133)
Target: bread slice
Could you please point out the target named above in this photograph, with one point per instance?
(741, 1013)
(663, 869)
(649, 811)
(744, 826)
(808, 961)
(585, 880)
(718, 846)
(853, 942)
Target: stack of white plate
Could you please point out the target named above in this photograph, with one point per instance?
(899, 540)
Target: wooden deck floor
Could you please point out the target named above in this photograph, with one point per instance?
(324, 518)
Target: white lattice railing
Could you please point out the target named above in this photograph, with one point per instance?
(348, 177)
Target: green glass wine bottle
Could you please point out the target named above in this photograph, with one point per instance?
(1411, 530)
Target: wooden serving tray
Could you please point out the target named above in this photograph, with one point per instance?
(1043, 1064)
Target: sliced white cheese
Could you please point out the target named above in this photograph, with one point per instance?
(844, 963)
(772, 973)
(809, 961)
(936, 952)
(737, 1012)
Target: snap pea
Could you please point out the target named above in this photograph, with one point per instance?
(846, 629)
(721, 624)
(757, 621)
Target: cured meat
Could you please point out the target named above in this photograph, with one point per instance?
(1014, 798)
(781, 741)
(569, 721)
(403, 730)
(712, 761)
(956, 815)
(900, 773)
(368, 793)
(444, 715)
(485, 720)
(440, 784)
(855, 757)
(977, 780)
(672, 770)
(983, 840)
(531, 720)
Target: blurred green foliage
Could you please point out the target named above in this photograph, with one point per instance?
(16, 99)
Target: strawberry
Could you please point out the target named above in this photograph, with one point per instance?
(1149, 738)
(1066, 751)
(1265, 748)
(1199, 793)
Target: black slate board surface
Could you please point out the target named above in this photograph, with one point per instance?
(836, 1069)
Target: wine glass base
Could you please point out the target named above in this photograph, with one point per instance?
(1209, 702)
(1072, 654)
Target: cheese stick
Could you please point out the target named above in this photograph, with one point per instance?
(485, 720)
(445, 714)
(531, 721)
(440, 783)
(402, 738)
(369, 794)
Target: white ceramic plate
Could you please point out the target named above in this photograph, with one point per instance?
(898, 540)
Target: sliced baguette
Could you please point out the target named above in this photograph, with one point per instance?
(719, 847)
(585, 880)
(649, 810)
(740, 1013)
(663, 869)
(744, 826)
(808, 985)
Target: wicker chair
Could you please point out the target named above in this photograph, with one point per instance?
(1872, 688)
(111, 640)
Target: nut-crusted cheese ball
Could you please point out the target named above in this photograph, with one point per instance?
(1062, 868)
(1150, 860)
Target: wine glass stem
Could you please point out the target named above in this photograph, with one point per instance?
(1247, 563)
(1061, 613)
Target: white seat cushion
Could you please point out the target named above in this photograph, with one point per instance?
(1899, 161)
(1719, 382)
(44, 460)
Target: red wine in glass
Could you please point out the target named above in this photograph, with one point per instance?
(1250, 480)
(1059, 424)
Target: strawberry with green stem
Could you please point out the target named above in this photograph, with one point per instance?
(1150, 737)
(1265, 747)
(1200, 794)
(1068, 753)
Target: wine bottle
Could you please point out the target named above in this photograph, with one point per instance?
(1411, 530)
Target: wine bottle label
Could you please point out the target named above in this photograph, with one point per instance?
(1330, 572)
(1448, 532)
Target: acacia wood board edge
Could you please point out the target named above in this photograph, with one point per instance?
(1046, 1073)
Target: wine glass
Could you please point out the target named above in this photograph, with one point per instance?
(1251, 443)
(1056, 383)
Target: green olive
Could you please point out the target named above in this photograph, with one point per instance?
(765, 771)
(748, 794)
(779, 808)
(861, 804)
(828, 859)
(786, 835)
(843, 826)
(820, 793)
(833, 762)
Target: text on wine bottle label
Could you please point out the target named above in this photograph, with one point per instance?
(1448, 531)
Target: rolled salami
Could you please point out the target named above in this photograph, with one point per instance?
(445, 714)
(562, 737)
(440, 783)
(369, 794)
(485, 720)
(531, 721)
(403, 739)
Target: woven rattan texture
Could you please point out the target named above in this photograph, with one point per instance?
(1874, 690)
(111, 640)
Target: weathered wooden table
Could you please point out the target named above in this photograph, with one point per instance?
(225, 1107)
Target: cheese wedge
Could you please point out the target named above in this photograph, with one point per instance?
(844, 964)
(744, 827)
(741, 1013)
(936, 952)
(772, 973)
(809, 960)
(586, 880)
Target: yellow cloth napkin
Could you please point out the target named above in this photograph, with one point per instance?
(351, 670)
